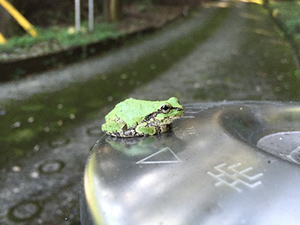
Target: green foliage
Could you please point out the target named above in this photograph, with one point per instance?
(56, 38)
(144, 5)
(288, 12)
(297, 74)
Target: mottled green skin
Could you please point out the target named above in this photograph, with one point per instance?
(134, 117)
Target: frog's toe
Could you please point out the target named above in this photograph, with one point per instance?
(164, 128)
(129, 133)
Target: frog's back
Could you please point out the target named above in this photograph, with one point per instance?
(133, 111)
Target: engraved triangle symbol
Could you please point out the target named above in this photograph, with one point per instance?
(163, 156)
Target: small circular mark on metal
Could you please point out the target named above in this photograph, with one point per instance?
(59, 142)
(51, 166)
(94, 131)
(24, 211)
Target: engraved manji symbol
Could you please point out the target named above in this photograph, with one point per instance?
(234, 178)
(285, 144)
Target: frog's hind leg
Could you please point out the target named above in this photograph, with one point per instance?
(144, 129)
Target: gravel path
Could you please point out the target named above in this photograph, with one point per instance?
(245, 59)
(195, 71)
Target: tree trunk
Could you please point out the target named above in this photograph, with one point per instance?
(8, 25)
(112, 10)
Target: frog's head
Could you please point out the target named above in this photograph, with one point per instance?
(168, 111)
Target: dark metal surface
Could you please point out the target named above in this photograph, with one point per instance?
(222, 163)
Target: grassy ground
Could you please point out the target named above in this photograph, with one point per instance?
(55, 38)
(288, 13)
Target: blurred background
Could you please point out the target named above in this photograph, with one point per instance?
(65, 64)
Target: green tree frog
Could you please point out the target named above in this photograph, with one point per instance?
(133, 117)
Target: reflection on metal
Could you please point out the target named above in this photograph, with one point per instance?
(221, 162)
(285, 145)
(19, 18)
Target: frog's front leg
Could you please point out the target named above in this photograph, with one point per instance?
(144, 129)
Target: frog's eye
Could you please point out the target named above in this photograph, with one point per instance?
(165, 108)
